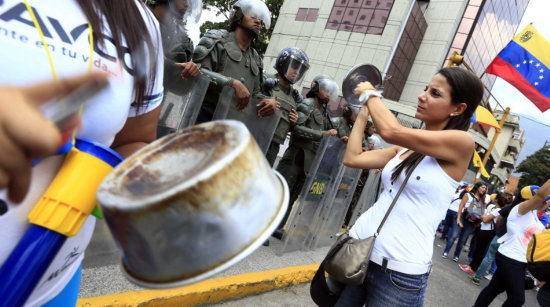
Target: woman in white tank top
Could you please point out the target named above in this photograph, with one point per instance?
(401, 259)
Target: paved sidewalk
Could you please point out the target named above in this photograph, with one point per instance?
(263, 279)
(104, 285)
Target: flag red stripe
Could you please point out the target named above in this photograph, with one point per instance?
(503, 69)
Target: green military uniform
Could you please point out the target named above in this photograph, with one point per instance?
(178, 48)
(306, 137)
(219, 51)
(285, 96)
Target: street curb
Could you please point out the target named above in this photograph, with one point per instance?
(209, 291)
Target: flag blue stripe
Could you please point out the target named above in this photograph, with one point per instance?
(528, 66)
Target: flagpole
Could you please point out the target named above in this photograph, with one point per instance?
(493, 141)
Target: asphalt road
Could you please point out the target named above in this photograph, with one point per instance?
(447, 286)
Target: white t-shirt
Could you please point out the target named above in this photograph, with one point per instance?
(408, 233)
(455, 204)
(491, 209)
(520, 229)
(23, 61)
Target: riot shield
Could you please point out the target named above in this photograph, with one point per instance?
(261, 128)
(369, 195)
(181, 111)
(334, 208)
(319, 185)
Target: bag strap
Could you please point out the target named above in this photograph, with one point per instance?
(397, 196)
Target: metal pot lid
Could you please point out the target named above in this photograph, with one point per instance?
(359, 73)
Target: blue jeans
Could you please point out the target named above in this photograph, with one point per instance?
(467, 230)
(450, 224)
(453, 235)
(384, 287)
(489, 258)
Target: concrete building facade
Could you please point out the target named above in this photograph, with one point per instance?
(408, 40)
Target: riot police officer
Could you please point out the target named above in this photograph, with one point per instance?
(230, 53)
(313, 122)
(177, 46)
(291, 65)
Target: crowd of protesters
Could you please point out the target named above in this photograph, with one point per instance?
(498, 239)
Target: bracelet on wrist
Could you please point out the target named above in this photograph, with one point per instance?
(369, 93)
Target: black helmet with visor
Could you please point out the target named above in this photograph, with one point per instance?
(292, 63)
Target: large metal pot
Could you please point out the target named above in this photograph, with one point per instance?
(191, 204)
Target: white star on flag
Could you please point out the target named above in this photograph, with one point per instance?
(531, 62)
(541, 70)
(524, 62)
(541, 77)
(517, 65)
(537, 65)
(536, 83)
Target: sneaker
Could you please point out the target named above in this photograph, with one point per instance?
(488, 276)
(455, 259)
(444, 255)
(475, 280)
(466, 268)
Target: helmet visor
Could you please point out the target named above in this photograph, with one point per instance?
(255, 9)
(295, 69)
(193, 12)
(328, 89)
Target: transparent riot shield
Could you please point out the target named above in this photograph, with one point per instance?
(181, 111)
(334, 208)
(261, 128)
(368, 197)
(318, 186)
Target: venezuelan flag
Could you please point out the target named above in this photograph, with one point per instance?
(525, 64)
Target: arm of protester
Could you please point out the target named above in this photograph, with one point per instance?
(137, 132)
(460, 209)
(355, 157)
(487, 218)
(537, 200)
(25, 134)
(453, 146)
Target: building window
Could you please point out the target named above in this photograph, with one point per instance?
(405, 54)
(307, 14)
(361, 16)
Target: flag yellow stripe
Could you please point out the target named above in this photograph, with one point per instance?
(476, 160)
(537, 45)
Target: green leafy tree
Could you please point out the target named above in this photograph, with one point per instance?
(223, 8)
(535, 168)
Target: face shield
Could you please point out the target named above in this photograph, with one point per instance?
(294, 69)
(189, 10)
(193, 12)
(255, 9)
(328, 91)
